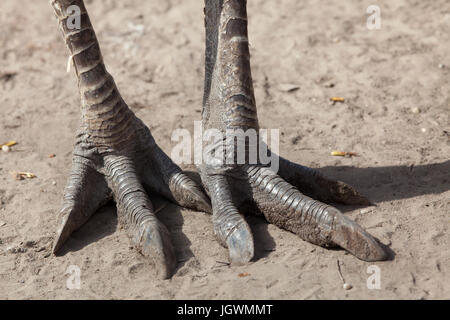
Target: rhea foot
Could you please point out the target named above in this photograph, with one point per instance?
(283, 197)
(256, 189)
(126, 176)
(116, 157)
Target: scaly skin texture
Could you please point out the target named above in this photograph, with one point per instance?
(115, 156)
(284, 198)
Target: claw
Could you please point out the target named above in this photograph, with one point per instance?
(172, 182)
(136, 213)
(153, 241)
(344, 193)
(85, 193)
(313, 221)
(67, 226)
(188, 194)
(64, 231)
(353, 238)
(230, 227)
(240, 245)
(233, 232)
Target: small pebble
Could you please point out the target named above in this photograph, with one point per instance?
(347, 286)
(423, 130)
(415, 110)
(5, 148)
(54, 182)
(441, 66)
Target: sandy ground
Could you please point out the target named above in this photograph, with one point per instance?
(155, 51)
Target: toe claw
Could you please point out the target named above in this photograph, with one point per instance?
(63, 233)
(136, 213)
(153, 241)
(86, 191)
(230, 227)
(188, 194)
(352, 237)
(198, 200)
(346, 194)
(240, 245)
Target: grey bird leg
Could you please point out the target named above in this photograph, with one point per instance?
(229, 103)
(116, 156)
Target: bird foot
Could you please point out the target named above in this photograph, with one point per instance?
(257, 189)
(126, 176)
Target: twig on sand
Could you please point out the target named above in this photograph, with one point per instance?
(346, 286)
(339, 271)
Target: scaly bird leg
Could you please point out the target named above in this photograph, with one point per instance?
(229, 104)
(116, 156)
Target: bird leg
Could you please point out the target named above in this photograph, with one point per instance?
(115, 155)
(283, 197)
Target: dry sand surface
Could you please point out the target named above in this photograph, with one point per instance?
(396, 82)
